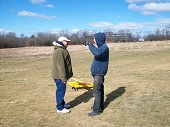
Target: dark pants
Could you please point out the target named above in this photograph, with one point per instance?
(60, 93)
(98, 93)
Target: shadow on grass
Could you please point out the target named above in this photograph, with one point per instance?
(85, 97)
(113, 95)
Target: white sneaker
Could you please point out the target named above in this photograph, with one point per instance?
(67, 106)
(63, 111)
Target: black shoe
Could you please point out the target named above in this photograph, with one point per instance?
(94, 113)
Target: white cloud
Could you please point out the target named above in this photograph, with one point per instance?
(75, 30)
(150, 8)
(146, 1)
(160, 23)
(3, 30)
(123, 25)
(49, 6)
(134, 7)
(37, 1)
(33, 14)
(129, 26)
(156, 7)
(163, 21)
(148, 13)
(55, 31)
(101, 24)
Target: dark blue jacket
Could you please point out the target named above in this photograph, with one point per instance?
(101, 55)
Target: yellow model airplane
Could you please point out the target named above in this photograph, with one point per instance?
(76, 84)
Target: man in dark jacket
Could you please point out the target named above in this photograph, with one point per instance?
(61, 71)
(99, 69)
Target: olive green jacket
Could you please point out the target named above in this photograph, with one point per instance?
(61, 64)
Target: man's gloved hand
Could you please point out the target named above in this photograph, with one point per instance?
(87, 43)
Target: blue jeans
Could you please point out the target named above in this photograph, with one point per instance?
(98, 93)
(60, 93)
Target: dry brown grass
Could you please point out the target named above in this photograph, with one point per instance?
(137, 89)
(32, 51)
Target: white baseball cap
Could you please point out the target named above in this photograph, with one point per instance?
(60, 39)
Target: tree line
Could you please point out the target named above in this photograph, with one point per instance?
(10, 39)
(159, 35)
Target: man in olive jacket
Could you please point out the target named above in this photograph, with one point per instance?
(61, 71)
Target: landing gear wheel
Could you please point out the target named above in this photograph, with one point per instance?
(76, 89)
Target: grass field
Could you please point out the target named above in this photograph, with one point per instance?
(137, 87)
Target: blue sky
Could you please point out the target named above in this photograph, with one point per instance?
(31, 16)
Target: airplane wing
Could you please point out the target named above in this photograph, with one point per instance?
(76, 80)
